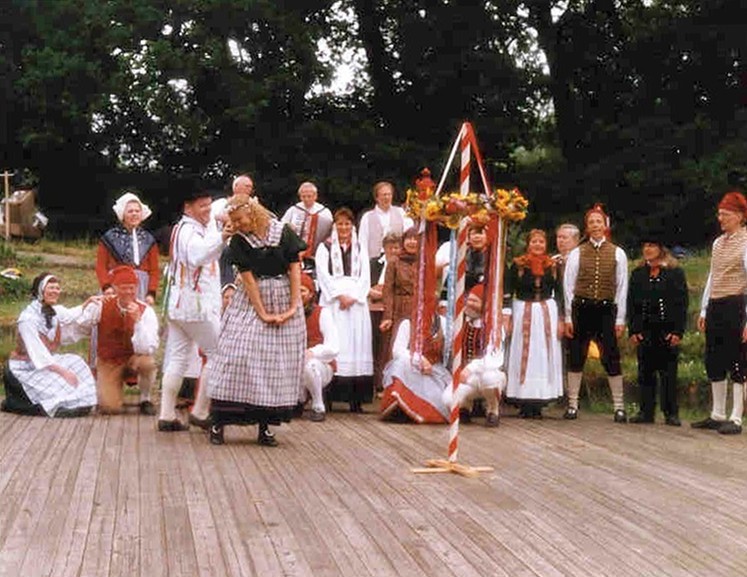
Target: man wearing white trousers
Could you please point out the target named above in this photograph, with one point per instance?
(323, 344)
(193, 306)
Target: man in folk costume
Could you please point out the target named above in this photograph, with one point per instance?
(310, 220)
(723, 316)
(384, 218)
(596, 287)
(480, 375)
(242, 184)
(127, 340)
(193, 306)
(567, 237)
(323, 344)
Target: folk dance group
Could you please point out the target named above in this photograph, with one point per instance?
(242, 313)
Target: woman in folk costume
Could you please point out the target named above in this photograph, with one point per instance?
(38, 380)
(414, 382)
(342, 270)
(256, 369)
(128, 243)
(399, 291)
(535, 368)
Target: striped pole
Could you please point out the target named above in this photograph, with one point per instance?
(461, 269)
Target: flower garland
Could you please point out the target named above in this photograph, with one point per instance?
(449, 209)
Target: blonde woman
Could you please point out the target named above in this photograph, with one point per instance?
(256, 369)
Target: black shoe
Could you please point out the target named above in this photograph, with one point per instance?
(203, 424)
(524, 412)
(621, 416)
(216, 435)
(492, 420)
(709, 423)
(72, 413)
(298, 410)
(171, 426)
(147, 408)
(570, 414)
(730, 428)
(640, 418)
(464, 416)
(673, 421)
(267, 438)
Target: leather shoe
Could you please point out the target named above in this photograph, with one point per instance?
(673, 421)
(570, 414)
(267, 439)
(640, 418)
(171, 426)
(216, 435)
(203, 424)
(316, 416)
(708, 423)
(147, 408)
(730, 428)
(492, 420)
(621, 416)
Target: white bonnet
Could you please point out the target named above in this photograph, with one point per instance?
(119, 206)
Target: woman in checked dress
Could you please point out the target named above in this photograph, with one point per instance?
(255, 372)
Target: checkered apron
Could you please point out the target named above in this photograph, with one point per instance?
(257, 363)
(48, 389)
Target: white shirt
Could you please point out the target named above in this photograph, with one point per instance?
(621, 281)
(194, 291)
(145, 336)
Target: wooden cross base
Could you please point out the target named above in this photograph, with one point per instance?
(444, 466)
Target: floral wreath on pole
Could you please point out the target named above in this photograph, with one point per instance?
(449, 209)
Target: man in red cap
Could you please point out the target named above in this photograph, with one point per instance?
(596, 288)
(127, 341)
(322, 346)
(723, 316)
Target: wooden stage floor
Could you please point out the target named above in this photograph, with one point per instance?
(104, 496)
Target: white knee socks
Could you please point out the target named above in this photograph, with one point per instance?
(574, 387)
(718, 395)
(170, 386)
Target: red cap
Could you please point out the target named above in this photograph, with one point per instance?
(734, 202)
(478, 290)
(122, 274)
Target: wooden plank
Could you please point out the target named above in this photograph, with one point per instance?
(74, 536)
(27, 509)
(152, 544)
(97, 556)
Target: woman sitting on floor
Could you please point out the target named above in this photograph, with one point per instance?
(414, 383)
(39, 381)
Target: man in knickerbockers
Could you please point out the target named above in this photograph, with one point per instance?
(322, 346)
(723, 316)
(194, 306)
(596, 288)
(127, 340)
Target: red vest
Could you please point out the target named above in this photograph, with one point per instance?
(115, 332)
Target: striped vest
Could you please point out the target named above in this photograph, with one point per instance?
(728, 277)
(597, 268)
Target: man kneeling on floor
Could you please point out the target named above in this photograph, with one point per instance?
(322, 346)
(127, 341)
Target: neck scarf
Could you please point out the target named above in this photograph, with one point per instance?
(335, 255)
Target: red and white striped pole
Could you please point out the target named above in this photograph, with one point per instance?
(461, 268)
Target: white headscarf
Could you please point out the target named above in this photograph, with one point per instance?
(119, 206)
(42, 285)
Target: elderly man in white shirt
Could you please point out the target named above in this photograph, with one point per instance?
(382, 219)
(310, 220)
(193, 306)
